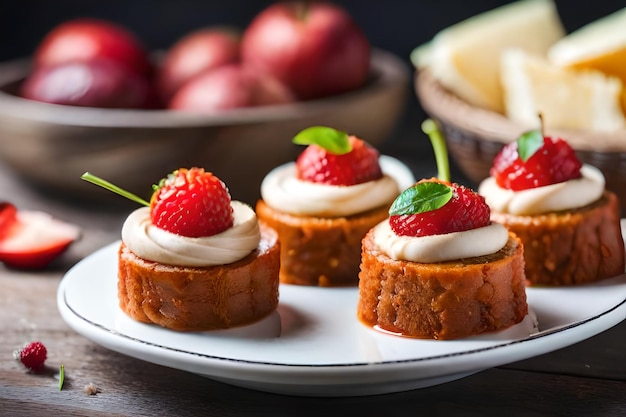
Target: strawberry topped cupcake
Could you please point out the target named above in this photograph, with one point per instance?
(193, 260)
(559, 207)
(439, 268)
(323, 204)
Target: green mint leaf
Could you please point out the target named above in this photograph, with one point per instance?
(420, 198)
(114, 188)
(333, 140)
(529, 143)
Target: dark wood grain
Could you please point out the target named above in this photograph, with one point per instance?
(586, 379)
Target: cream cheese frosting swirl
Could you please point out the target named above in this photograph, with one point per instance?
(151, 243)
(441, 248)
(555, 197)
(282, 190)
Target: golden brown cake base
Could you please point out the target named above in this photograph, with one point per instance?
(317, 251)
(446, 300)
(194, 299)
(571, 247)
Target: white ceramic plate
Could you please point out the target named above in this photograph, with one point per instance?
(314, 345)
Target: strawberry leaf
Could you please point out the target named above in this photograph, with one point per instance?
(420, 198)
(529, 143)
(333, 140)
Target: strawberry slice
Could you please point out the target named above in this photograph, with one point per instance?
(8, 212)
(332, 157)
(535, 161)
(32, 239)
(435, 207)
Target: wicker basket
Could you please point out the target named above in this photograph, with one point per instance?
(474, 136)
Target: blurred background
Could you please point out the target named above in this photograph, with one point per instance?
(394, 25)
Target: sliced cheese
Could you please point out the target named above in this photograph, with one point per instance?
(465, 57)
(599, 45)
(567, 99)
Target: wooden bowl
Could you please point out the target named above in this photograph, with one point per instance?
(51, 146)
(474, 136)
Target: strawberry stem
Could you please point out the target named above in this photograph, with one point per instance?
(114, 188)
(430, 127)
(61, 376)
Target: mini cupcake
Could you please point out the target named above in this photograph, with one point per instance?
(195, 260)
(444, 281)
(323, 204)
(439, 268)
(568, 221)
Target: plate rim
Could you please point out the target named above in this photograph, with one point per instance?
(271, 374)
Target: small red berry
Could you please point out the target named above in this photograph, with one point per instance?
(554, 162)
(33, 356)
(191, 202)
(466, 210)
(316, 164)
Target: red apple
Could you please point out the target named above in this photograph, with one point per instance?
(84, 39)
(196, 52)
(228, 87)
(315, 48)
(95, 83)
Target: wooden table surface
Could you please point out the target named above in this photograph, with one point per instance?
(586, 379)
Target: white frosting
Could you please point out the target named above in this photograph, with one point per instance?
(151, 243)
(282, 190)
(555, 197)
(440, 248)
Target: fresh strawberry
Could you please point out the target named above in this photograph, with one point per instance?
(356, 161)
(33, 356)
(32, 239)
(435, 207)
(191, 202)
(188, 202)
(535, 161)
